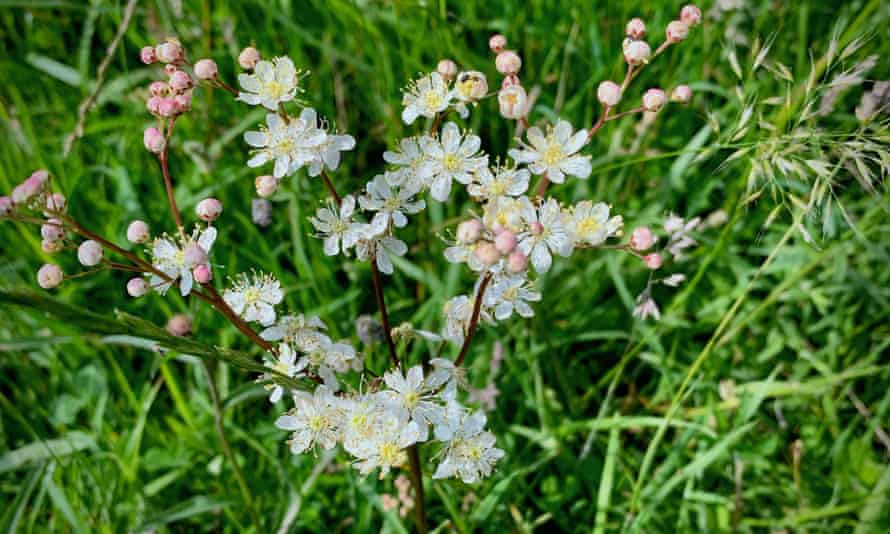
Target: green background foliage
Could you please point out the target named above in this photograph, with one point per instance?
(737, 412)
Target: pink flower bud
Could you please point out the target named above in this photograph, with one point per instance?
(513, 102)
(249, 57)
(153, 140)
(652, 261)
(38, 179)
(654, 99)
(487, 253)
(137, 287)
(509, 81)
(676, 31)
(56, 202)
(170, 69)
(183, 102)
(641, 238)
(636, 28)
(536, 228)
(469, 231)
(51, 247)
(497, 43)
(209, 209)
(31, 187)
(50, 276)
(261, 211)
(609, 94)
(147, 55)
(167, 107)
(637, 52)
(691, 15)
(505, 242)
(5, 205)
(180, 81)
(508, 62)
(517, 262)
(157, 88)
(20, 194)
(89, 253)
(169, 52)
(194, 255)
(180, 325)
(52, 230)
(266, 185)
(447, 69)
(138, 232)
(206, 69)
(202, 274)
(681, 94)
(153, 105)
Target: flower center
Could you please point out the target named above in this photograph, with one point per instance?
(588, 227)
(498, 187)
(390, 454)
(432, 99)
(317, 423)
(411, 399)
(252, 295)
(553, 155)
(451, 162)
(511, 293)
(274, 89)
(391, 204)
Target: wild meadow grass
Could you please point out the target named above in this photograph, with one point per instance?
(758, 403)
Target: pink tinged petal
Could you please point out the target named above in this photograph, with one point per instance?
(384, 263)
(185, 282)
(399, 219)
(260, 158)
(576, 166)
(541, 258)
(256, 139)
(409, 114)
(249, 98)
(332, 245)
(576, 142)
(536, 138)
(441, 188)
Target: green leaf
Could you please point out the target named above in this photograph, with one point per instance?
(73, 441)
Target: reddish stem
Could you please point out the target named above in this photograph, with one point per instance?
(474, 320)
(384, 316)
(330, 185)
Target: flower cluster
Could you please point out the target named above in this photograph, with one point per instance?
(377, 428)
(508, 242)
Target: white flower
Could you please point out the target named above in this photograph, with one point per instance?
(590, 224)
(470, 453)
(364, 417)
(464, 253)
(444, 376)
(452, 157)
(679, 229)
(254, 298)
(389, 203)
(458, 312)
(315, 420)
(506, 213)
(270, 84)
(327, 154)
(413, 169)
(302, 332)
(646, 307)
(547, 233)
(287, 365)
(386, 449)
(511, 294)
(504, 181)
(375, 245)
(170, 257)
(339, 231)
(425, 97)
(411, 392)
(291, 143)
(674, 280)
(335, 356)
(555, 153)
